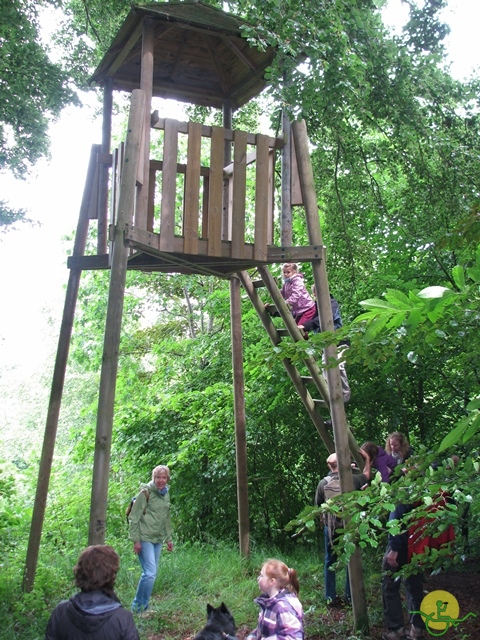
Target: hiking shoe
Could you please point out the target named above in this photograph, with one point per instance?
(397, 634)
(335, 603)
(416, 633)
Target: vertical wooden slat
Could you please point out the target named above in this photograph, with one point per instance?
(192, 189)
(205, 197)
(169, 180)
(271, 195)
(286, 210)
(239, 192)
(240, 416)
(146, 85)
(102, 215)
(261, 199)
(215, 199)
(296, 192)
(94, 202)
(151, 198)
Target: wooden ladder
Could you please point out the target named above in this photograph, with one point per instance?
(301, 382)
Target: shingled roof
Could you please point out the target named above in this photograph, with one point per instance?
(200, 56)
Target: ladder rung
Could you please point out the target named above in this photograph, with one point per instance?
(258, 283)
(271, 309)
(307, 379)
(319, 402)
(283, 332)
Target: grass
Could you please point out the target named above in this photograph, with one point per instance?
(189, 578)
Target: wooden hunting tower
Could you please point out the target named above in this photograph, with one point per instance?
(203, 202)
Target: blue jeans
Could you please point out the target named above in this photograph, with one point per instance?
(330, 577)
(149, 556)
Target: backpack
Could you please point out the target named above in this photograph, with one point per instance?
(419, 541)
(132, 501)
(331, 490)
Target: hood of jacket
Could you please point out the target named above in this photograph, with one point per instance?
(90, 611)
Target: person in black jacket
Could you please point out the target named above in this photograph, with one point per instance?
(95, 612)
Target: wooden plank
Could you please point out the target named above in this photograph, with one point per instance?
(239, 193)
(192, 188)
(271, 195)
(113, 323)
(295, 254)
(295, 191)
(146, 85)
(261, 199)
(93, 199)
(169, 183)
(205, 200)
(207, 131)
(152, 182)
(215, 192)
(251, 157)
(181, 167)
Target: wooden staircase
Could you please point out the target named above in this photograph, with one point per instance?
(302, 383)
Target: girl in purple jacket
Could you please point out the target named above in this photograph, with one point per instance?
(281, 613)
(295, 294)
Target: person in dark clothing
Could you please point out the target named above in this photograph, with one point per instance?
(323, 493)
(95, 613)
(396, 556)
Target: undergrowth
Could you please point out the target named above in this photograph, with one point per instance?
(189, 578)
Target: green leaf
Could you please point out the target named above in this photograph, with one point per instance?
(375, 327)
(398, 299)
(474, 273)
(459, 277)
(453, 437)
(472, 429)
(473, 404)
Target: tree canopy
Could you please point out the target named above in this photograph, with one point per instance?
(395, 149)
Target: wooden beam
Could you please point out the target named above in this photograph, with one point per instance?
(215, 187)
(58, 381)
(261, 198)
(113, 323)
(239, 193)
(192, 189)
(169, 185)
(239, 415)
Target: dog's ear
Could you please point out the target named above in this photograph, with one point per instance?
(209, 608)
(224, 608)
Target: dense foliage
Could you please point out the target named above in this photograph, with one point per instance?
(395, 153)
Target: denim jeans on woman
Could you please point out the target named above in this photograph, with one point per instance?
(149, 557)
(330, 577)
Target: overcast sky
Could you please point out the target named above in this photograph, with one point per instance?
(32, 260)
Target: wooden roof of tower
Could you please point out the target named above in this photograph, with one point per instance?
(200, 55)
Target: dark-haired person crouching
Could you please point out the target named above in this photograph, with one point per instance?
(95, 612)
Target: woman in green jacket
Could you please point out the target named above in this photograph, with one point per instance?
(150, 528)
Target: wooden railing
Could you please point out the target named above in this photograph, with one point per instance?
(201, 199)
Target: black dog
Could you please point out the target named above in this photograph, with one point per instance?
(220, 624)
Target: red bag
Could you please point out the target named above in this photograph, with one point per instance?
(419, 540)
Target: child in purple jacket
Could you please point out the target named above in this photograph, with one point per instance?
(281, 613)
(380, 459)
(295, 294)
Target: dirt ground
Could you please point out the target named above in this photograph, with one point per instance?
(463, 583)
